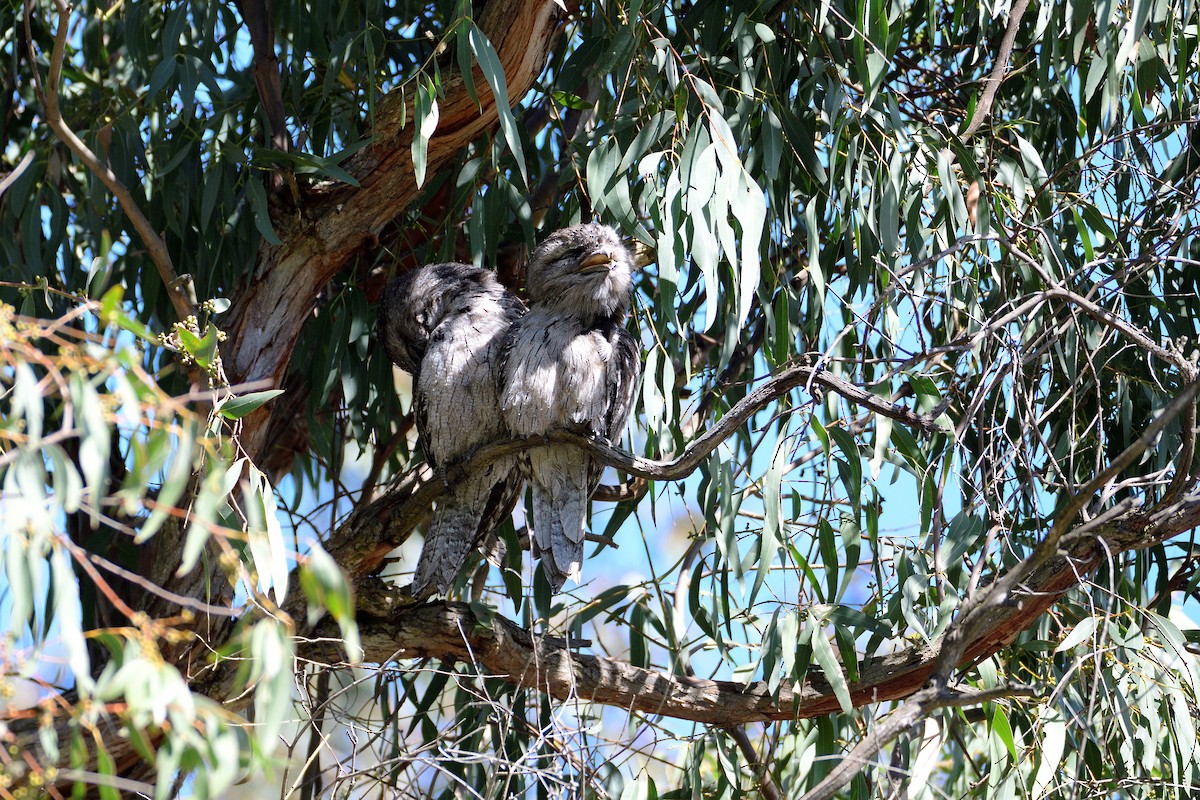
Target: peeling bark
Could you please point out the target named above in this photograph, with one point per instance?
(337, 222)
(320, 239)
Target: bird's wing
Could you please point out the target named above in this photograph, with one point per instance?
(624, 369)
(421, 417)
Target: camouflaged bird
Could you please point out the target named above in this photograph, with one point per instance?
(569, 363)
(444, 324)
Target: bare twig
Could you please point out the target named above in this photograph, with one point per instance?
(154, 243)
(11, 178)
(182, 601)
(629, 490)
(911, 711)
(983, 109)
(765, 785)
(1103, 315)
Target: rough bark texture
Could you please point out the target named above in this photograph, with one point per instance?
(320, 238)
(452, 632)
(337, 222)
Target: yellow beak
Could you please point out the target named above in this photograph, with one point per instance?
(596, 262)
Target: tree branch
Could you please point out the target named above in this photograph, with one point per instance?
(154, 244)
(699, 449)
(983, 109)
(765, 785)
(373, 530)
(391, 629)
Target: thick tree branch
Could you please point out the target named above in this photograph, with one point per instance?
(154, 244)
(391, 629)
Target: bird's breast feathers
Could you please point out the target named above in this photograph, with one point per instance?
(557, 376)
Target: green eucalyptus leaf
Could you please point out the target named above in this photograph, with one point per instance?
(241, 405)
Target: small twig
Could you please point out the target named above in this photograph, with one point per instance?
(600, 538)
(1110, 319)
(912, 710)
(11, 178)
(311, 784)
(983, 109)
(631, 489)
(154, 244)
(101, 585)
(133, 578)
(766, 786)
(111, 781)
(699, 449)
(952, 698)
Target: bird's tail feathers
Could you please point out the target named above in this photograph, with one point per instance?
(559, 483)
(448, 542)
(469, 510)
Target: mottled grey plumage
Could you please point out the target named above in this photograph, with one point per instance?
(444, 324)
(569, 364)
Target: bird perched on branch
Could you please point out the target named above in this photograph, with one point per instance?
(444, 324)
(569, 363)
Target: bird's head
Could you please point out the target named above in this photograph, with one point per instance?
(585, 269)
(419, 300)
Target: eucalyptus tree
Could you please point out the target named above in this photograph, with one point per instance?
(904, 505)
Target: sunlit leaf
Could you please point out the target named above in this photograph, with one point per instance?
(489, 63)
(241, 405)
